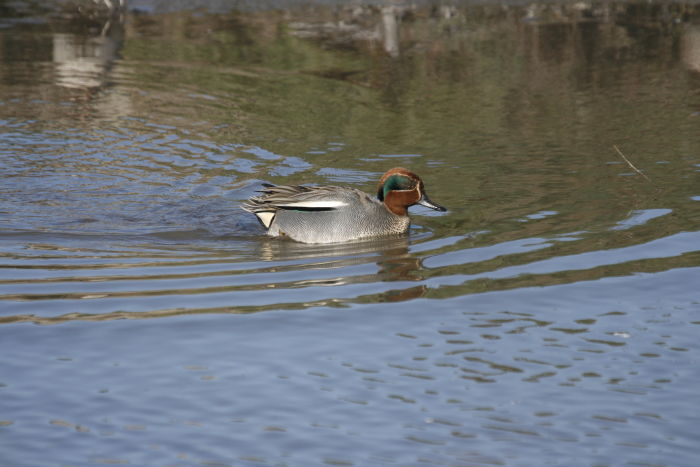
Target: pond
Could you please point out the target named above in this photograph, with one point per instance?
(548, 317)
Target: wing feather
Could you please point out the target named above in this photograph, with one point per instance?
(296, 197)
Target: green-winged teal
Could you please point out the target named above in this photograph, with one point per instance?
(331, 214)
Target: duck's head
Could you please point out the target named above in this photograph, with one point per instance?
(400, 188)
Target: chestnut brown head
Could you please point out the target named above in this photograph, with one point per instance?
(400, 188)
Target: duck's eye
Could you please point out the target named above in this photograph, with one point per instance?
(396, 182)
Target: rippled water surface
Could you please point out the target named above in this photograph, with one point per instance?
(550, 317)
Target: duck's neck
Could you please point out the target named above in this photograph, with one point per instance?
(397, 202)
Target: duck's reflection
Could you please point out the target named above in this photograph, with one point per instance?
(392, 256)
(398, 264)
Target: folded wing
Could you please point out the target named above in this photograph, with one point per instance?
(293, 197)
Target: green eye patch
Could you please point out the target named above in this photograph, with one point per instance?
(395, 182)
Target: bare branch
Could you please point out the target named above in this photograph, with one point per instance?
(630, 164)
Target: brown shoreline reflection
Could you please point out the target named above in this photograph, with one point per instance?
(404, 50)
(690, 48)
(83, 62)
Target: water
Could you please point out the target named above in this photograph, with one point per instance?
(550, 317)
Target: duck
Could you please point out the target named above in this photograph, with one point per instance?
(335, 214)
